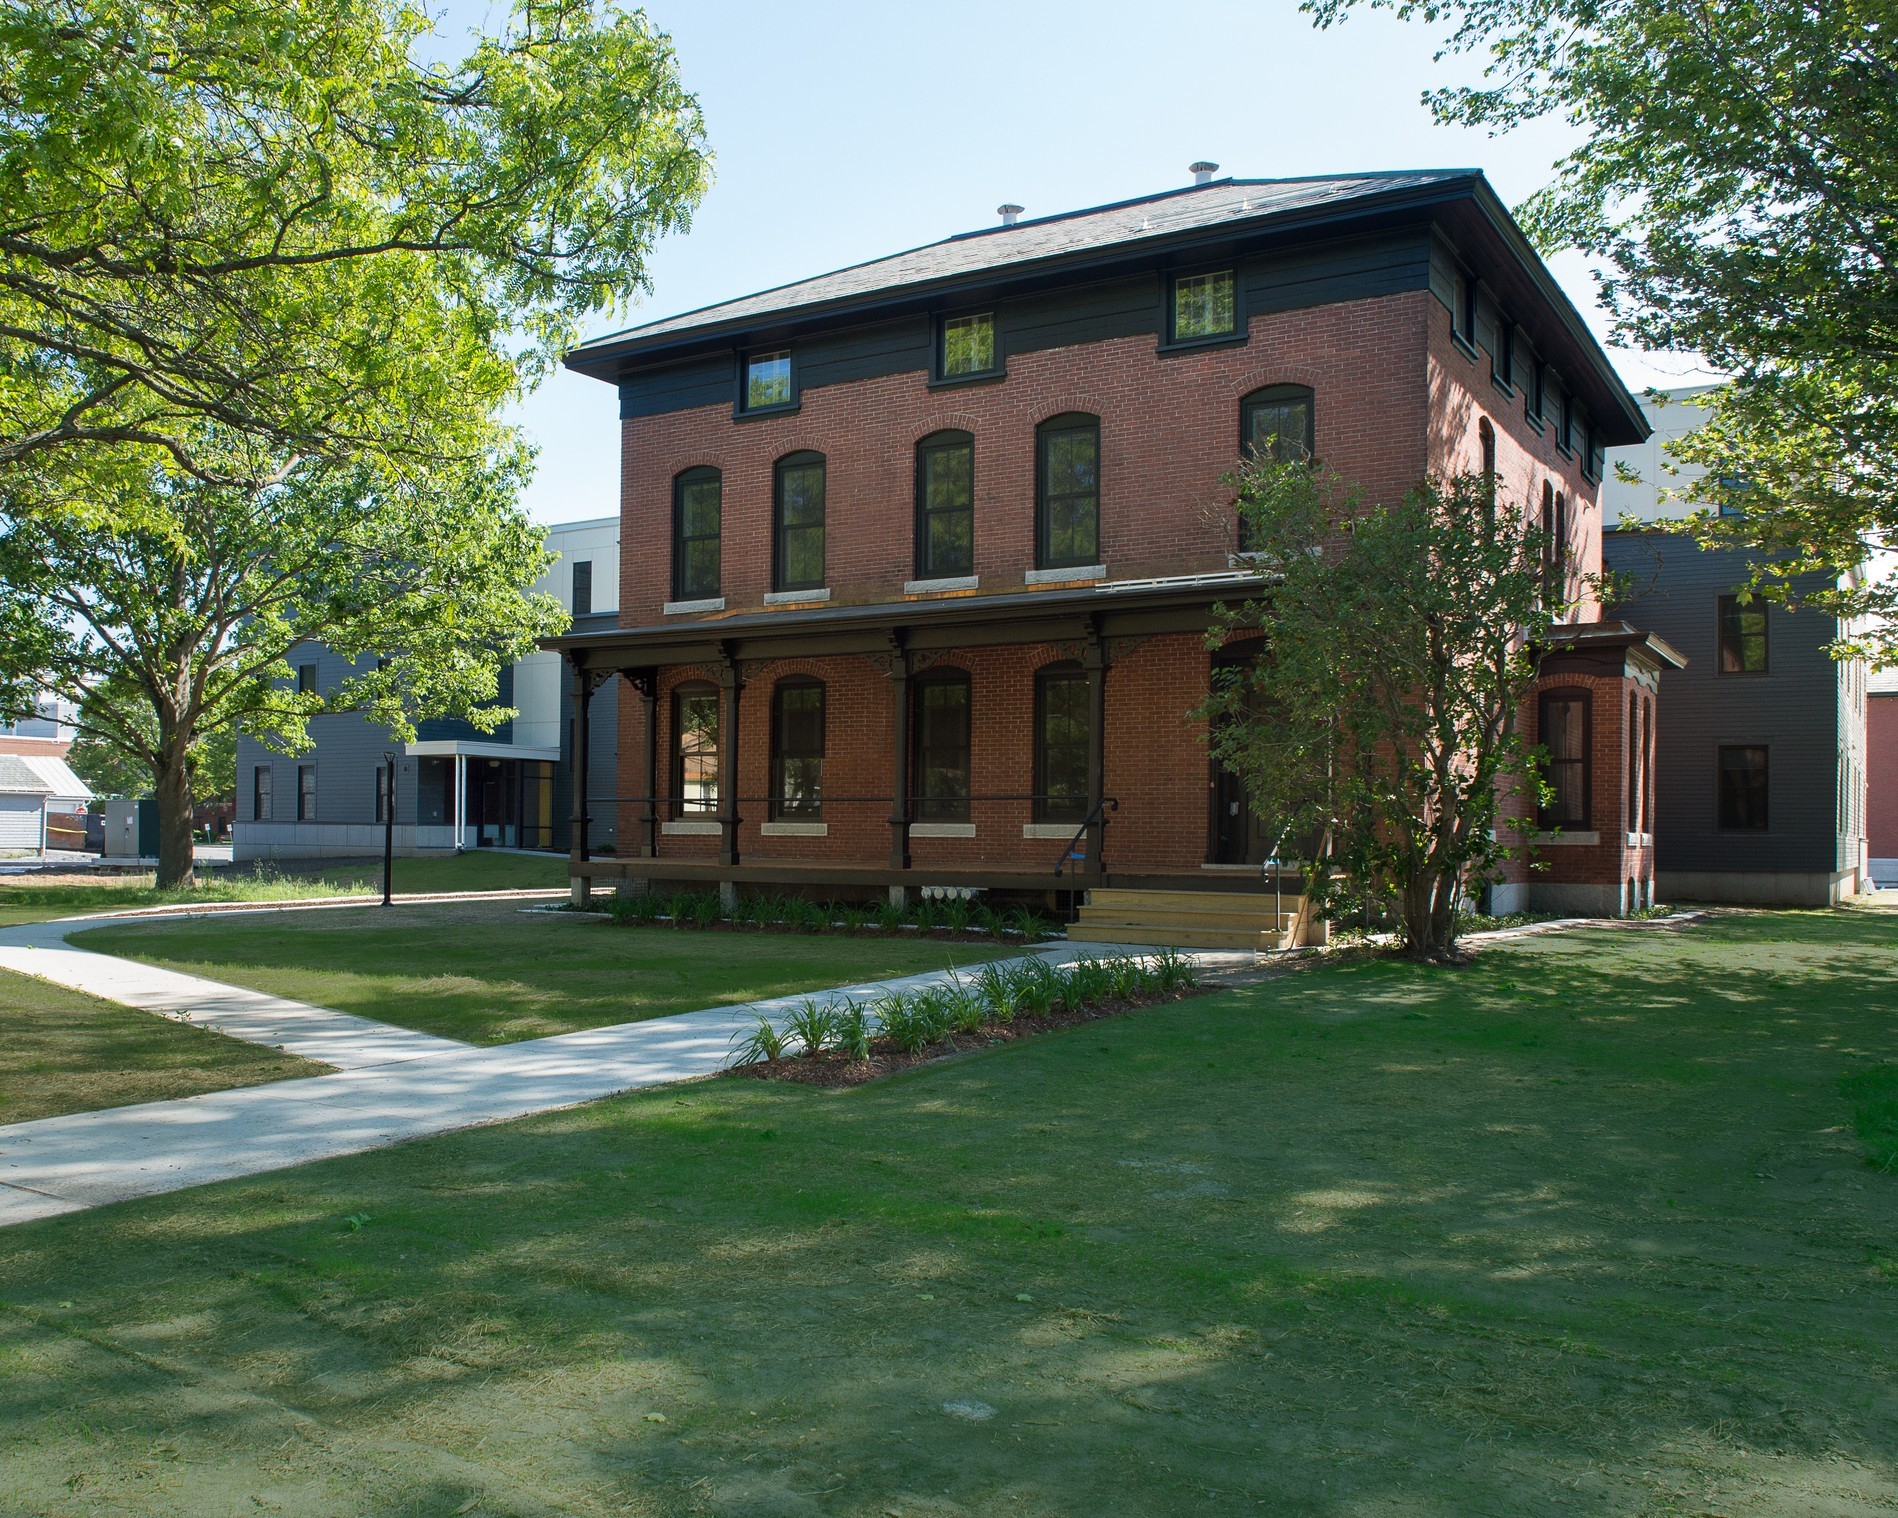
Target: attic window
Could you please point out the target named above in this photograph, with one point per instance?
(768, 380)
(968, 346)
(1204, 307)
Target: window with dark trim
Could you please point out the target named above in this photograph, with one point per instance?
(1068, 491)
(941, 731)
(1565, 435)
(1742, 787)
(1062, 718)
(1551, 544)
(1563, 719)
(1463, 313)
(1742, 636)
(306, 679)
(697, 520)
(260, 794)
(798, 495)
(1502, 363)
(306, 793)
(1585, 446)
(965, 346)
(1486, 441)
(382, 793)
(768, 381)
(1204, 307)
(1634, 762)
(797, 750)
(695, 754)
(582, 588)
(1538, 391)
(1275, 423)
(945, 506)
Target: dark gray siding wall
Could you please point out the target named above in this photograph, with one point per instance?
(1346, 269)
(1793, 710)
(442, 729)
(345, 750)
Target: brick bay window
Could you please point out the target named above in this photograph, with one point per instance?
(1564, 718)
(697, 510)
(1061, 740)
(965, 347)
(767, 382)
(797, 750)
(942, 746)
(695, 750)
(945, 506)
(1204, 308)
(798, 523)
(1276, 424)
(1742, 787)
(1068, 492)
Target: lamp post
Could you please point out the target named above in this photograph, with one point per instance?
(388, 832)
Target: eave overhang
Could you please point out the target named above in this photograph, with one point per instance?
(1610, 637)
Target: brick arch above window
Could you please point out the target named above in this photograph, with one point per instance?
(950, 421)
(1265, 378)
(1048, 408)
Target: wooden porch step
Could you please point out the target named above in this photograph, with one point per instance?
(1253, 942)
(1188, 916)
(1208, 901)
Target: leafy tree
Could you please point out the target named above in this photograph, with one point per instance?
(166, 641)
(280, 222)
(1377, 728)
(111, 771)
(1739, 177)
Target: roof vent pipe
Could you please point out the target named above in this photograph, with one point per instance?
(1203, 171)
(1010, 214)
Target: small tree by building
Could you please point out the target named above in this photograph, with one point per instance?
(1378, 726)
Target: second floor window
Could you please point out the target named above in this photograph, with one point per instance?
(306, 679)
(968, 346)
(1742, 636)
(942, 747)
(1564, 716)
(945, 506)
(1276, 424)
(797, 750)
(1061, 743)
(582, 587)
(697, 506)
(695, 749)
(800, 522)
(767, 380)
(1204, 306)
(1068, 491)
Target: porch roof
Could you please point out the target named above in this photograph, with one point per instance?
(1113, 608)
(1604, 637)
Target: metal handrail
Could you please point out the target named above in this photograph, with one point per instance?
(1099, 814)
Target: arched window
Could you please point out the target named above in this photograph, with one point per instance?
(945, 506)
(1634, 762)
(1550, 549)
(798, 520)
(1276, 423)
(1068, 491)
(697, 512)
(941, 729)
(1486, 437)
(695, 749)
(797, 749)
(1062, 719)
(1563, 719)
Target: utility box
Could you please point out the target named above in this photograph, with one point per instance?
(122, 830)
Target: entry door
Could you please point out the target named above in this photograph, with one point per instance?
(1237, 835)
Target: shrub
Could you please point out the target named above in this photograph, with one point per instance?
(889, 916)
(1038, 987)
(955, 914)
(1173, 971)
(901, 1023)
(992, 987)
(988, 921)
(965, 1010)
(1026, 922)
(806, 916)
(813, 1024)
(926, 914)
(764, 1042)
(706, 910)
(852, 1037)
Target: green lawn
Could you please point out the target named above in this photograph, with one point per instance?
(1584, 1228)
(39, 898)
(490, 973)
(64, 1052)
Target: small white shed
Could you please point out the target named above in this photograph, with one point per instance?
(31, 785)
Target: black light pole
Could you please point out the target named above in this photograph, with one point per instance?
(388, 833)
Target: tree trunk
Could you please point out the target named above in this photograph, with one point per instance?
(174, 813)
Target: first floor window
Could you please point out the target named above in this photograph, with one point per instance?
(697, 506)
(1204, 307)
(1742, 636)
(1742, 800)
(942, 747)
(1068, 491)
(797, 750)
(945, 506)
(695, 749)
(1564, 732)
(1061, 743)
(260, 794)
(306, 793)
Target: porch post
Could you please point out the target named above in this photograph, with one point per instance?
(1094, 661)
(899, 755)
(577, 843)
(646, 682)
(730, 685)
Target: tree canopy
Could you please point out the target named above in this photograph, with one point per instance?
(280, 229)
(1738, 177)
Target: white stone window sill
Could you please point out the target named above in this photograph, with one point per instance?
(936, 587)
(1556, 840)
(686, 608)
(1065, 576)
(792, 597)
(1640, 840)
(942, 830)
(1056, 830)
(690, 827)
(795, 829)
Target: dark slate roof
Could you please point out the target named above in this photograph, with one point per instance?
(1197, 208)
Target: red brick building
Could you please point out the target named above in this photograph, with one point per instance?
(917, 557)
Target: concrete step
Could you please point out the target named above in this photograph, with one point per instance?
(1252, 942)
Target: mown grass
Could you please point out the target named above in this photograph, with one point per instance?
(491, 973)
(1584, 1227)
(40, 898)
(1874, 1094)
(64, 1052)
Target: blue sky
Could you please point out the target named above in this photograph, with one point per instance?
(844, 131)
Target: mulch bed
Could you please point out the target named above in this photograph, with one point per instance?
(833, 1069)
